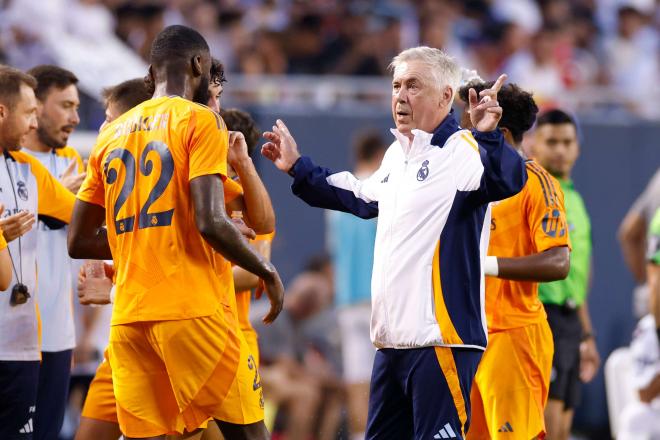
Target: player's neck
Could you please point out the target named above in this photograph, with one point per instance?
(174, 86)
(33, 143)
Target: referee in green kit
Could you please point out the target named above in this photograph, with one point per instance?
(576, 358)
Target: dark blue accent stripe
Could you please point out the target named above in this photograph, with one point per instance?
(551, 187)
(460, 267)
(543, 186)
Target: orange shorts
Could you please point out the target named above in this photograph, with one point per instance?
(510, 388)
(172, 376)
(100, 403)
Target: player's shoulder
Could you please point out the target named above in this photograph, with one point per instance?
(541, 181)
(26, 158)
(68, 152)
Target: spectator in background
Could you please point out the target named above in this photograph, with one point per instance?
(641, 419)
(537, 69)
(297, 376)
(351, 243)
(631, 57)
(632, 237)
(575, 358)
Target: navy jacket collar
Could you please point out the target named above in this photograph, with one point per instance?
(447, 127)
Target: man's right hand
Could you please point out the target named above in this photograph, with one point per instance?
(95, 291)
(281, 147)
(275, 291)
(17, 225)
(72, 181)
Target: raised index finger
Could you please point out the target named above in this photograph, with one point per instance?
(499, 83)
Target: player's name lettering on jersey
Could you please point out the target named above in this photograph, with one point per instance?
(142, 123)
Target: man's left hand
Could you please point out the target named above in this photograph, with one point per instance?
(485, 111)
(238, 150)
(589, 360)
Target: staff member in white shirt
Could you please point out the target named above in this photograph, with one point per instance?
(57, 117)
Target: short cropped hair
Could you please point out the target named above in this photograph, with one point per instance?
(10, 84)
(369, 145)
(176, 44)
(238, 120)
(217, 72)
(127, 94)
(555, 117)
(48, 77)
(445, 70)
(518, 107)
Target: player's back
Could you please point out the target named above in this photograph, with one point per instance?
(142, 166)
(532, 221)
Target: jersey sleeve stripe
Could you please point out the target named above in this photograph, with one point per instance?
(552, 189)
(543, 186)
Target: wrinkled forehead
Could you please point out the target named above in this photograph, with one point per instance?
(412, 69)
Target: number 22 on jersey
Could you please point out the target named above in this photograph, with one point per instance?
(146, 219)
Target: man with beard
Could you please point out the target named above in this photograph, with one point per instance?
(57, 116)
(159, 169)
(26, 186)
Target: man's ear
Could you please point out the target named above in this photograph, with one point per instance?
(4, 111)
(196, 64)
(447, 94)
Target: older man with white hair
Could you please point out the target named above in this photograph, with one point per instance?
(431, 194)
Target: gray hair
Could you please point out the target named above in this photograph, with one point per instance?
(445, 70)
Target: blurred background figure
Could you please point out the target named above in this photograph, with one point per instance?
(633, 240)
(576, 360)
(299, 370)
(350, 241)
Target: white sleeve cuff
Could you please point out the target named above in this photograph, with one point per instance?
(490, 266)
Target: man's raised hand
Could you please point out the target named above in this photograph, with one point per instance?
(485, 111)
(281, 147)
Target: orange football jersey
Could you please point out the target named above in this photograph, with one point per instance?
(140, 171)
(532, 221)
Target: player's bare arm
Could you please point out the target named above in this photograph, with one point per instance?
(257, 207)
(87, 238)
(218, 230)
(550, 265)
(244, 280)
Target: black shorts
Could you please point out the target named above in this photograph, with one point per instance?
(18, 398)
(566, 329)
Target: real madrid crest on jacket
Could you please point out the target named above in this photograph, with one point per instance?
(25, 185)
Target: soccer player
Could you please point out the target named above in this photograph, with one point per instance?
(528, 244)
(57, 117)
(164, 162)
(431, 195)
(28, 186)
(123, 97)
(256, 206)
(576, 357)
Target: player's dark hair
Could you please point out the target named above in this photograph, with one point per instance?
(238, 120)
(217, 72)
(518, 107)
(176, 44)
(368, 145)
(49, 77)
(555, 117)
(127, 94)
(10, 84)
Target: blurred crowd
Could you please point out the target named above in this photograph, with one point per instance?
(549, 46)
